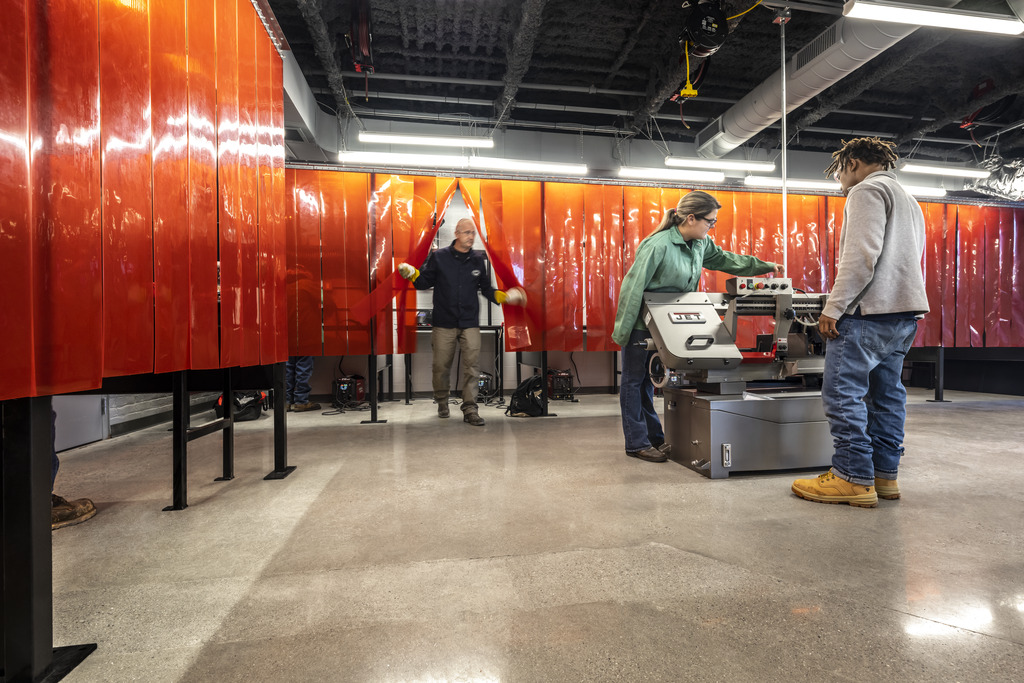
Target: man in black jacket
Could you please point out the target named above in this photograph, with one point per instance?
(457, 273)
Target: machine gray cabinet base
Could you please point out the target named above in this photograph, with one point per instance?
(716, 435)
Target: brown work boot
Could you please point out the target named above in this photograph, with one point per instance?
(648, 454)
(887, 488)
(303, 407)
(442, 409)
(828, 488)
(65, 512)
(473, 419)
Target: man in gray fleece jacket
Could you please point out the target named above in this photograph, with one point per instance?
(870, 321)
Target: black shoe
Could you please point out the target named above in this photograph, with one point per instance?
(442, 409)
(473, 419)
(648, 454)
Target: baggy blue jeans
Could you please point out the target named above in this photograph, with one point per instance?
(864, 398)
(297, 372)
(640, 423)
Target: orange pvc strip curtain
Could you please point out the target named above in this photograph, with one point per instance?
(114, 181)
(569, 245)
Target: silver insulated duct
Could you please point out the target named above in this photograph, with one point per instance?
(837, 52)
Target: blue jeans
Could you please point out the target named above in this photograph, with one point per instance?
(297, 372)
(640, 423)
(864, 399)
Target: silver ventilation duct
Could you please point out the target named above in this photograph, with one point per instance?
(1006, 181)
(837, 52)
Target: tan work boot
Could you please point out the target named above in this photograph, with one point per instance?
(65, 512)
(442, 409)
(887, 488)
(303, 407)
(828, 488)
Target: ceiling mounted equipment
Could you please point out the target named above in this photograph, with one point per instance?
(834, 54)
(360, 38)
(705, 30)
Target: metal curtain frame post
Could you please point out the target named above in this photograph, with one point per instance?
(281, 467)
(26, 627)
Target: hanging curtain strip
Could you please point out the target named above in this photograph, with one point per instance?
(382, 295)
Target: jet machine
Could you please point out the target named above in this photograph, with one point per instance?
(740, 411)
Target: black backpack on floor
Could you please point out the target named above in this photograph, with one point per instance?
(526, 399)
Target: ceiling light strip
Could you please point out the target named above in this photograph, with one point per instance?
(427, 140)
(662, 174)
(720, 164)
(499, 164)
(796, 183)
(900, 13)
(952, 171)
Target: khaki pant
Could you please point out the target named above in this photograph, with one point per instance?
(444, 341)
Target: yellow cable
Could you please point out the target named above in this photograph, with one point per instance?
(745, 11)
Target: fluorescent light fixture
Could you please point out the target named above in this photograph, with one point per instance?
(918, 15)
(499, 164)
(919, 191)
(426, 140)
(955, 171)
(721, 164)
(643, 173)
(763, 181)
(403, 160)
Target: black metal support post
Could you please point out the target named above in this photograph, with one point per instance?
(26, 448)
(371, 362)
(179, 427)
(281, 467)
(228, 435)
(408, 378)
(940, 375)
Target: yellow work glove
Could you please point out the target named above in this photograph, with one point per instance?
(408, 272)
(516, 296)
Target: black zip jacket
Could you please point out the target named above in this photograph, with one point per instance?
(456, 277)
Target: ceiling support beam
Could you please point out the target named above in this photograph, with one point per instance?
(630, 43)
(325, 51)
(1007, 84)
(519, 56)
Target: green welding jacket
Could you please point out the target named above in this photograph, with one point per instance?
(665, 262)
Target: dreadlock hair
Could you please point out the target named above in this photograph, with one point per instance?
(868, 150)
(698, 203)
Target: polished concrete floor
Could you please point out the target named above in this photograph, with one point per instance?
(535, 550)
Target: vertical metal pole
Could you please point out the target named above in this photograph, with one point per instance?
(391, 377)
(179, 427)
(499, 372)
(28, 558)
(228, 433)
(408, 378)
(782, 16)
(940, 375)
(281, 467)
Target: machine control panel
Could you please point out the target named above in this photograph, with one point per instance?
(758, 285)
(682, 317)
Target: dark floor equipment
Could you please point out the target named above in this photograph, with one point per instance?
(349, 390)
(560, 385)
(249, 405)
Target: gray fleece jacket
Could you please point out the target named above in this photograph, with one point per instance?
(880, 251)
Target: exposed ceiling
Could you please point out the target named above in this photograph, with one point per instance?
(612, 67)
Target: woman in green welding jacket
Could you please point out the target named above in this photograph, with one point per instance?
(668, 260)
